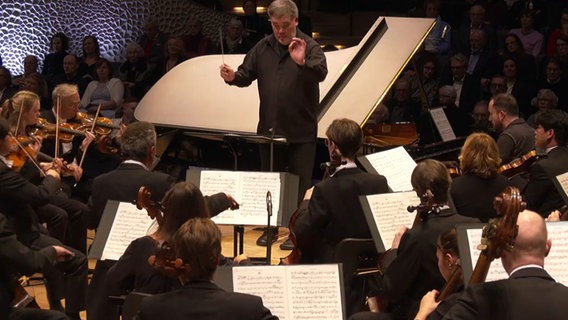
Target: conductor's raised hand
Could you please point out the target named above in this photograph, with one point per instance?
(297, 49)
(227, 73)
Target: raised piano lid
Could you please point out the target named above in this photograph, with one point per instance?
(193, 95)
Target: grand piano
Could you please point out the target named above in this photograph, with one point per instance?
(193, 101)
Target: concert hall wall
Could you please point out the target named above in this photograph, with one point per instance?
(27, 25)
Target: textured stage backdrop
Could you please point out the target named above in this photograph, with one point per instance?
(27, 25)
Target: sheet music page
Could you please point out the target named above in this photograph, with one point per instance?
(268, 282)
(563, 181)
(297, 292)
(556, 263)
(249, 189)
(496, 271)
(442, 124)
(396, 165)
(314, 292)
(129, 224)
(390, 213)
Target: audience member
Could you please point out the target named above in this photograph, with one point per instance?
(526, 63)
(37, 84)
(134, 72)
(439, 39)
(401, 107)
(233, 41)
(555, 80)
(53, 62)
(195, 42)
(91, 55)
(72, 74)
(480, 116)
(256, 26)
(467, 87)
(30, 66)
(532, 40)
(153, 41)
(544, 100)
(556, 33)
(518, 87)
(476, 22)
(106, 92)
(6, 89)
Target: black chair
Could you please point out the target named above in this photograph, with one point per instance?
(132, 304)
(355, 255)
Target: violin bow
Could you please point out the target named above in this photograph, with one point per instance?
(19, 118)
(58, 107)
(92, 130)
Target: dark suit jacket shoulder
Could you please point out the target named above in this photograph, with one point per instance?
(473, 196)
(204, 300)
(334, 211)
(528, 294)
(122, 184)
(540, 193)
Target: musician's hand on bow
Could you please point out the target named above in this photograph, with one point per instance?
(397, 236)
(62, 253)
(427, 305)
(76, 171)
(234, 204)
(308, 194)
(297, 49)
(241, 259)
(226, 72)
(554, 216)
(89, 137)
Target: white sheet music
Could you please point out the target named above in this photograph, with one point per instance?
(556, 263)
(129, 224)
(442, 124)
(294, 292)
(390, 213)
(249, 189)
(563, 181)
(396, 165)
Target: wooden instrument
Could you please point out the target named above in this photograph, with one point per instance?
(21, 297)
(454, 282)
(518, 166)
(500, 233)
(49, 130)
(101, 126)
(144, 201)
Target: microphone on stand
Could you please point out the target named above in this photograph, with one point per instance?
(268, 229)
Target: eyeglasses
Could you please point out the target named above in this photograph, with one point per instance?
(277, 26)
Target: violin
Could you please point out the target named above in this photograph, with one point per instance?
(518, 166)
(144, 201)
(48, 130)
(103, 126)
(24, 152)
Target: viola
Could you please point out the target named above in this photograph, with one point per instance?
(500, 233)
(144, 201)
(518, 166)
(108, 145)
(24, 152)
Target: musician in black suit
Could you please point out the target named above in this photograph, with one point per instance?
(17, 197)
(516, 137)
(198, 244)
(414, 270)
(138, 146)
(15, 257)
(551, 136)
(529, 293)
(331, 211)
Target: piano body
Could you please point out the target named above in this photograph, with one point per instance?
(193, 100)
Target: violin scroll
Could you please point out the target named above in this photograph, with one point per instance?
(144, 201)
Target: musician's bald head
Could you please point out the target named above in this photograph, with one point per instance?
(531, 245)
